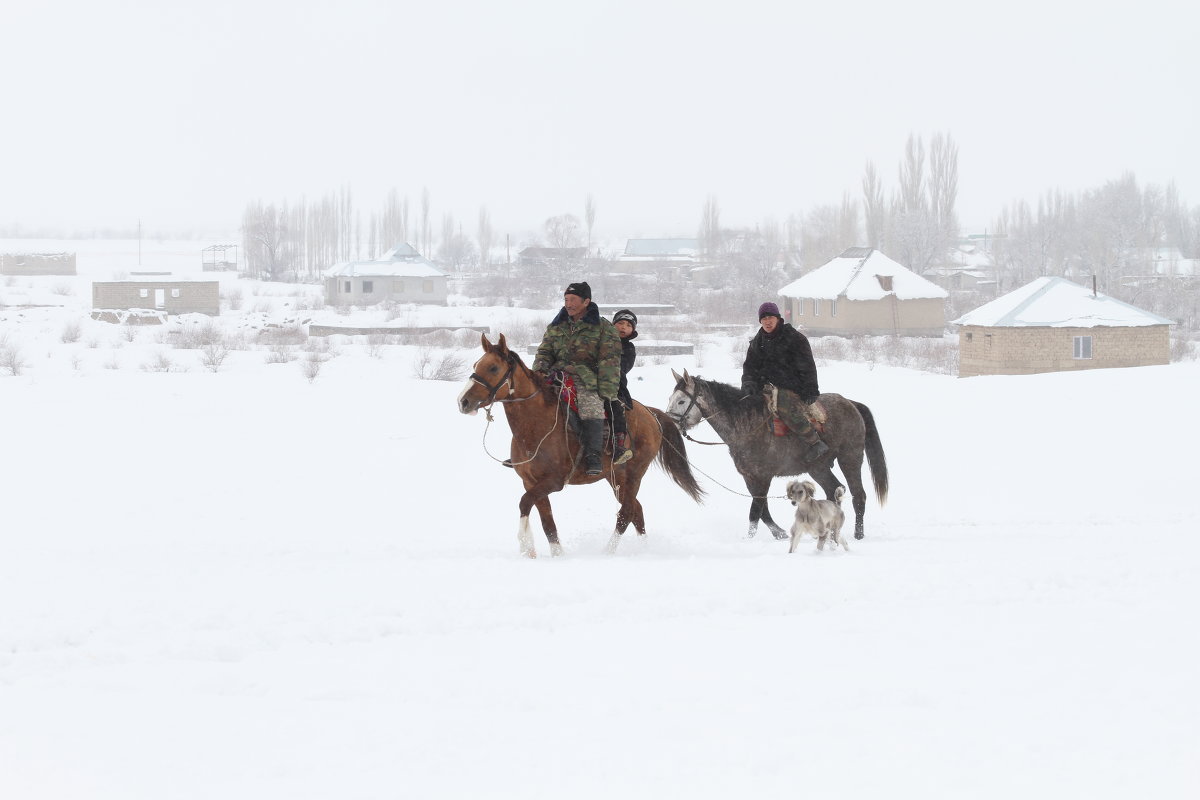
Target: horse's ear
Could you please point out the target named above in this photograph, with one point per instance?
(676, 375)
(502, 346)
(484, 341)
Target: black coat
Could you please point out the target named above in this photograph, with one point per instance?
(628, 356)
(784, 359)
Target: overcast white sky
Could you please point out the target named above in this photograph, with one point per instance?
(178, 113)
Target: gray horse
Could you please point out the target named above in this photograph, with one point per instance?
(744, 424)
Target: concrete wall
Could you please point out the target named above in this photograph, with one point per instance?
(397, 290)
(37, 264)
(889, 316)
(1026, 351)
(195, 297)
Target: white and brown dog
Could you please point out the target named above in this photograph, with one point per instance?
(821, 518)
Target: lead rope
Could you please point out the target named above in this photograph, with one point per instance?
(487, 410)
(705, 474)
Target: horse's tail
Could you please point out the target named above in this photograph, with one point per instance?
(875, 457)
(672, 456)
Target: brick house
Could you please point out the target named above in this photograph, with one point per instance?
(401, 275)
(863, 292)
(162, 293)
(1056, 325)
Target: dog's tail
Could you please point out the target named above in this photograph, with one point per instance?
(838, 494)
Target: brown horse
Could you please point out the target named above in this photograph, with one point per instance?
(546, 455)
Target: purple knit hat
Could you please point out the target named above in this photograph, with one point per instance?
(769, 310)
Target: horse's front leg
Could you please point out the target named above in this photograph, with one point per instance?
(776, 531)
(548, 526)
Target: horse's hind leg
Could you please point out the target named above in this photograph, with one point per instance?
(852, 469)
(630, 511)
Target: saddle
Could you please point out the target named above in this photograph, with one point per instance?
(795, 409)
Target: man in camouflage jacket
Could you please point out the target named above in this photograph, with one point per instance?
(582, 344)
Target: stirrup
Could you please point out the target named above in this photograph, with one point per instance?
(507, 463)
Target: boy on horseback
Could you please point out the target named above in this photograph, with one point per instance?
(583, 345)
(780, 355)
(625, 321)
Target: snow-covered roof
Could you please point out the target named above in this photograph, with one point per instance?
(402, 261)
(662, 247)
(855, 275)
(1053, 302)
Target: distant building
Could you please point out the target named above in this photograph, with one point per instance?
(401, 275)
(1055, 325)
(967, 267)
(863, 292)
(543, 256)
(37, 264)
(160, 293)
(659, 257)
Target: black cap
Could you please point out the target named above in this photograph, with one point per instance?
(580, 289)
(625, 314)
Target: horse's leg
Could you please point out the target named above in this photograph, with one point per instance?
(852, 468)
(524, 535)
(630, 511)
(758, 486)
(548, 526)
(776, 531)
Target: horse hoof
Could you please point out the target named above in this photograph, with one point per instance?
(859, 534)
(556, 550)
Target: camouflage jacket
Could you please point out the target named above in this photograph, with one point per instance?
(589, 349)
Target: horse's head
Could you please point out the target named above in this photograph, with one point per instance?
(491, 375)
(683, 407)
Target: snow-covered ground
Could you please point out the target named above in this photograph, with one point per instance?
(246, 584)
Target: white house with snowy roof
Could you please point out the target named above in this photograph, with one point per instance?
(1052, 324)
(401, 275)
(863, 292)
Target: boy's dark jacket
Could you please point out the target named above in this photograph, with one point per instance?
(784, 359)
(628, 356)
(589, 349)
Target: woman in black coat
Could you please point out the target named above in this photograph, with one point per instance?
(780, 355)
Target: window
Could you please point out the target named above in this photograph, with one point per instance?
(397, 287)
(816, 307)
(143, 292)
(970, 336)
(427, 287)
(346, 287)
(174, 293)
(1083, 347)
(833, 308)
(368, 287)
(800, 307)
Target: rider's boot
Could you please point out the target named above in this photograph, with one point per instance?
(622, 452)
(816, 448)
(592, 437)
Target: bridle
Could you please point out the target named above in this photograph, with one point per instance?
(694, 402)
(506, 378)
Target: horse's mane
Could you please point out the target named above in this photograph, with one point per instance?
(730, 401)
(546, 386)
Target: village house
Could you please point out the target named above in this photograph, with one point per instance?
(863, 292)
(1052, 325)
(160, 293)
(37, 264)
(401, 275)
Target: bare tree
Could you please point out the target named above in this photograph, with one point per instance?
(589, 217)
(485, 235)
(710, 229)
(874, 208)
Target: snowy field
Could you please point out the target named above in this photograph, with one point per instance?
(247, 584)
